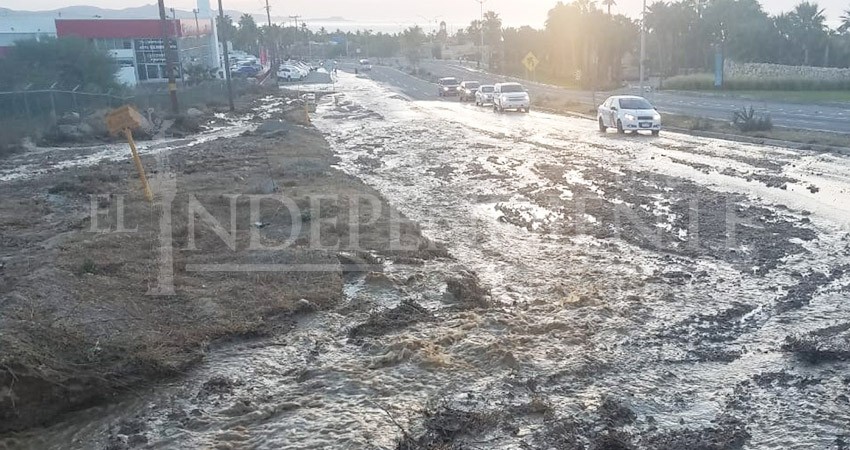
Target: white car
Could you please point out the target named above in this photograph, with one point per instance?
(484, 96)
(290, 73)
(365, 65)
(510, 96)
(629, 113)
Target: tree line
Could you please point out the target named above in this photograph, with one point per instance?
(582, 42)
(684, 35)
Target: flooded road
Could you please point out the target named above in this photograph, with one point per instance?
(643, 292)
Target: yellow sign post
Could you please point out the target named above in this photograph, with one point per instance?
(123, 121)
(530, 62)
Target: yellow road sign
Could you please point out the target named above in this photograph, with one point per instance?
(123, 118)
(530, 62)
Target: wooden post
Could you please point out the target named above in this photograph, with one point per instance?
(139, 167)
(122, 121)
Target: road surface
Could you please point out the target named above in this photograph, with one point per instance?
(831, 118)
(681, 275)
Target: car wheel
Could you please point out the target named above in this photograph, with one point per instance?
(620, 128)
(656, 132)
(527, 110)
(602, 127)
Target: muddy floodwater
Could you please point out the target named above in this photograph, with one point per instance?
(646, 293)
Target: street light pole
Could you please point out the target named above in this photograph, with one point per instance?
(643, 48)
(223, 39)
(481, 26)
(197, 26)
(169, 59)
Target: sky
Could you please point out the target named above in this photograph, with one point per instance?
(423, 12)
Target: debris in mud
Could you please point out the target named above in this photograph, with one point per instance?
(218, 385)
(466, 291)
(359, 262)
(820, 346)
(572, 433)
(728, 434)
(801, 294)
(408, 312)
(379, 279)
(128, 434)
(723, 326)
(444, 424)
(616, 412)
(783, 379)
(272, 129)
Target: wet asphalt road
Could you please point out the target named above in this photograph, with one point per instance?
(831, 118)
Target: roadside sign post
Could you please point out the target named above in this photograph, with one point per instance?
(530, 62)
(123, 121)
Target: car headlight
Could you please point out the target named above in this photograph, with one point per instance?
(656, 117)
(629, 117)
(445, 89)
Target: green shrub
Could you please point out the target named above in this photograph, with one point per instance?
(747, 120)
(705, 82)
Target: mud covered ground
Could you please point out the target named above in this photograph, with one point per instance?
(83, 314)
(651, 293)
(564, 289)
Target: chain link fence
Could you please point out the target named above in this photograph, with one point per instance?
(47, 106)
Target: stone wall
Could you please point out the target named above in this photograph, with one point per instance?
(757, 70)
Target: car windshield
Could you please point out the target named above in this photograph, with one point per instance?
(512, 88)
(635, 103)
(472, 85)
(448, 81)
(487, 89)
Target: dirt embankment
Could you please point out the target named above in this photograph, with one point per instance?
(77, 325)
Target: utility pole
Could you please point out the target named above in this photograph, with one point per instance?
(223, 39)
(269, 17)
(169, 59)
(197, 26)
(481, 26)
(643, 48)
(295, 38)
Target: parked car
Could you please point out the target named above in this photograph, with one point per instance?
(448, 87)
(510, 96)
(468, 90)
(244, 71)
(288, 73)
(629, 113)
(297, 67)
(484, 95)
(365, 65)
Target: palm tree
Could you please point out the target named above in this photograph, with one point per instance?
(609, 4)
(810, 22)
(845, 22)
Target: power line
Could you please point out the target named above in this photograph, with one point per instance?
(296, 20)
